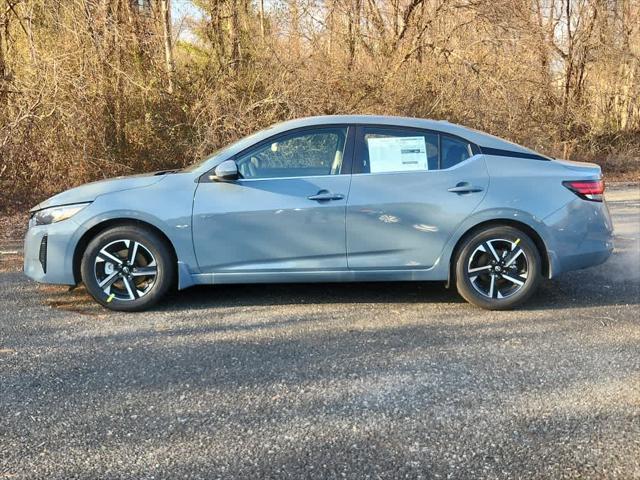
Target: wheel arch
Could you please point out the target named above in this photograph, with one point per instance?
(528, 229)
(95, 230)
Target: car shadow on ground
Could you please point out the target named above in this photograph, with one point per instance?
(312, 293)
(573, 290)
(568, 291)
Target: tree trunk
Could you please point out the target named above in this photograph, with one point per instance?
(294, 33)
(262, 20)
(234, 34)
(2, 48)
(3, 84)
(165, 11)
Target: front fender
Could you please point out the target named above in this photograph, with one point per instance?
(166, 208)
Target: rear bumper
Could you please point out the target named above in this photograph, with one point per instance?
(580, 235)
(57, 265)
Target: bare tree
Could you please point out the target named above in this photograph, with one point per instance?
(165, 15)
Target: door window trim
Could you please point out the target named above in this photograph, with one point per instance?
(360, 145)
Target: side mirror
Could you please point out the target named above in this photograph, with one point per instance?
(226, 171)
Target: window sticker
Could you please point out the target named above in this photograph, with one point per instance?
(397, 154)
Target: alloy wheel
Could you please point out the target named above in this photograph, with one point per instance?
(498, 268)
(125, 270)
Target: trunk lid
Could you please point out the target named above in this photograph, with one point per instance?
(581, 170)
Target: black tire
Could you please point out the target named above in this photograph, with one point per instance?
(123, 294)
(518, 279)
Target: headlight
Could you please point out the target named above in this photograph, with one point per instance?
(55, 214)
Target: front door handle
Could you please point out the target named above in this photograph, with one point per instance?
(464, 187)
(325, 196)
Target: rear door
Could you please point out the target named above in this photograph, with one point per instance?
(410, 189)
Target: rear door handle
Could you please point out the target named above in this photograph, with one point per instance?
(325, 196)
(464, 187)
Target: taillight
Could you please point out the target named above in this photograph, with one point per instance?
(587, 189)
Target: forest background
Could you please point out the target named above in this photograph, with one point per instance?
(91, 89)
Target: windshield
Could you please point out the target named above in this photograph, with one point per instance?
(198, 164)
(238, 145)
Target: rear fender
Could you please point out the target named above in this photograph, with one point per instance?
(500, 216)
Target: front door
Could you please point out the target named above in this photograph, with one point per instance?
(285, 213)
(410, 190)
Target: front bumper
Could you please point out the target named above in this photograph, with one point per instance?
(57, 266)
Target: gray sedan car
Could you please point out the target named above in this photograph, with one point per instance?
(331, 199)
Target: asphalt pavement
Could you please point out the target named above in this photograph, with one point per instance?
(360, 381)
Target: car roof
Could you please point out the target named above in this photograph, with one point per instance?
(474, 136)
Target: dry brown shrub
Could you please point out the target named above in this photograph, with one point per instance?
(90, 89)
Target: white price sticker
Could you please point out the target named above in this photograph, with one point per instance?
(397, 154)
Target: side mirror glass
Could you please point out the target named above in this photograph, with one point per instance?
(227, 170)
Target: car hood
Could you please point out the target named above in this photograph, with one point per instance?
(90, 191)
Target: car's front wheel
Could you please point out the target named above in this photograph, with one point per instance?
(127, 268)
(498, 268)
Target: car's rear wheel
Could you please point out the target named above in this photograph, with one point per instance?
(498, 268)
(127, 268)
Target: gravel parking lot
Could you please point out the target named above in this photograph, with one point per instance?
(327, 381)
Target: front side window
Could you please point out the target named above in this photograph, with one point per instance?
(299, 154)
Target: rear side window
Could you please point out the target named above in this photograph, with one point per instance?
(394, 149)
(453, 151)
(398, 150)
